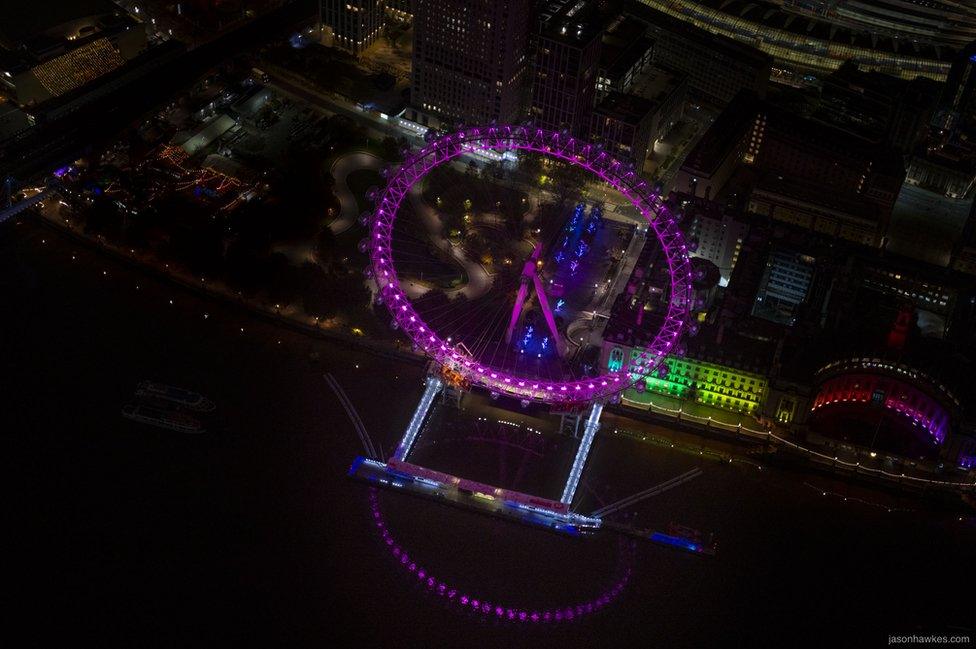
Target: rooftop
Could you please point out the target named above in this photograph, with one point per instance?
(731, 48)
(25, 20)
(627, 108)
(572, 22)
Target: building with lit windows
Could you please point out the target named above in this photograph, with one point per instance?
(805, 205)
(58, 59)
(809, 43)
(884, 405)
(784, 286)
(625, 53)
(949, 23)
(717, 68)
(800, 171)
(719, 386)
(719, 367)
(355, 24)
(718, 232)
(959, 94)
(624, 124)
(470, 61)
(400, 9)
(567, 54)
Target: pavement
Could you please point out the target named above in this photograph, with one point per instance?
(349, 208)
(479, 280)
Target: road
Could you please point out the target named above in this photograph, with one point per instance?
(479, 279)
(349, 207)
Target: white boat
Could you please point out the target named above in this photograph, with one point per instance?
(179, 396)
(162, 418)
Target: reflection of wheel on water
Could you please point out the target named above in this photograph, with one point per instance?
(472, 601)
(484, 358)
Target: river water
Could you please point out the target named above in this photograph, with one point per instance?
(252, 534)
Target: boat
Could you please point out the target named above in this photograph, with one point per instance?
(179, 396)
(168, 419)
(686, 538)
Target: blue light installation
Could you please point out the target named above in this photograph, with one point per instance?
(434, 386)
(589, 432)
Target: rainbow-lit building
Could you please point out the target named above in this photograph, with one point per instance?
(710, 384)
(882, 404)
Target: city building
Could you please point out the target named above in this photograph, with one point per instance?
(354, 24)
(59, 58)
(719, 367)
(784, 144)
(883, 405)
(718, 231)
(959, 93)
(878, 107)
(400, 9)
(13, 121)
(719, 152)
(470, 61)
(805, 204)
(934, 205)
(626, 51)
(942, 23)
(784, 286)
(801, 171)
(630, 123)
(717, 67)
(567, 54)
(668, 90)
(720, 386)
(815, 43)
(624, 124)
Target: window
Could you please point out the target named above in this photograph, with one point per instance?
(616, 361)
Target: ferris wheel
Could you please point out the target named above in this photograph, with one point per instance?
(507, 329)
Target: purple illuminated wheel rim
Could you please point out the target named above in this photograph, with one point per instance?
(561, 146)
(479, 605)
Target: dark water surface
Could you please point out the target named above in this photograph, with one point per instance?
(251, 533)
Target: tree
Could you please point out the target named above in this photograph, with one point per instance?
(325, 247)
(284, 280)
(318, 298)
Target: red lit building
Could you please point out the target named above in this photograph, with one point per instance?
(882, 405)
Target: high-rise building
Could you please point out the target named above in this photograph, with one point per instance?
(470, 61)
(625, 52)
(355, 24)
(567, 56)
(717, 67)
(959, 96)
(719, 232)
(877, 106)
(784, 286)
(802, 171)
(624, 124)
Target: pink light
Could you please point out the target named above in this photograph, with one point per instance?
(619, 176)
(513, 614)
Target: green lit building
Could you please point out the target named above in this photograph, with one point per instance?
(710, 384)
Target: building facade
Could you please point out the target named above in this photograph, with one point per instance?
(710, 384)
(959, 95)
(355, 24)
(470, 61)
(717, 67)
(624, 124)
(883, 404)
(718, 232)
(567, 56)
